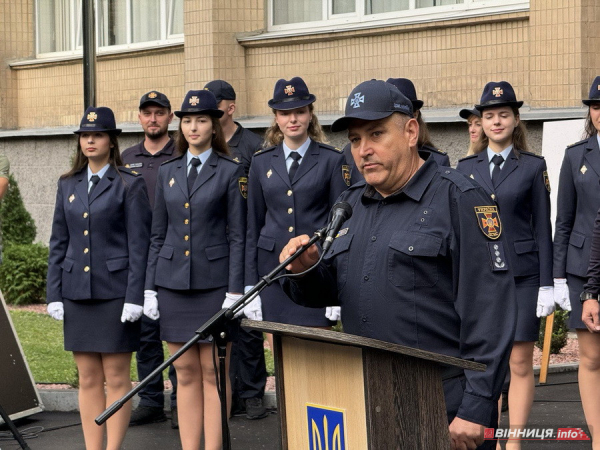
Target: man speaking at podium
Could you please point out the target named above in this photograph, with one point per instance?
(421, 262)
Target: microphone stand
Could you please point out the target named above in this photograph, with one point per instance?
(216, 327)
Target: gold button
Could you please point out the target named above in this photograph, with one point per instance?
(289, 193)
(493, 196)
(187, 205)
(85, 215)
(290, 210)
(85, 250)
(186, 237)
(187, 253)
(85, 232)
(290, 229)
(186, 221)
(86, 269)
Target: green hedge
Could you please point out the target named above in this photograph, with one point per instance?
(23, 274)
(560, 329)
(18, 226)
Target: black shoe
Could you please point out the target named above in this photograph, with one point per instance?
(255, 409)
(147, 414)
(174, 418)
(504, 402)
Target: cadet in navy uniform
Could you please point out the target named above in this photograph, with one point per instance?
(98, 253)
(145, 158)
(421, 262)
(578, 204)
(196, 260)
(248, 369)
(292, 186)
(518, 181)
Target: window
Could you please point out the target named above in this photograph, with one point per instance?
(119, 24)
(312, 15)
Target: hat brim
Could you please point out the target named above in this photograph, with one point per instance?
(292, 103)
(466, 113)
(207, 112)
(155, 103)
(497, 104)
(115, 131)
(417, 104)
(342, 123)
(590, 101)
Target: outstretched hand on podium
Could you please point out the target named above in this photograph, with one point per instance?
(306, 260)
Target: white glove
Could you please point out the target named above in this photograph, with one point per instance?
(230, 299)
(56, 310)
(131, 312)
(253, 309)
(151, 304)
(561, 294)
(545, 301)
(333, 313)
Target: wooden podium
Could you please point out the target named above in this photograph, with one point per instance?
(338, 391)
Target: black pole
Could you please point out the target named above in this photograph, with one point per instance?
(13, 429)
(88, 17)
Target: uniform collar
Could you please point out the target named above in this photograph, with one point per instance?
(100, 173)
(237, 135)
(166, 150)
(504, 153)
(203, 156)
(301, 150)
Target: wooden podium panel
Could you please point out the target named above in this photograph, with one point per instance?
(322, 374)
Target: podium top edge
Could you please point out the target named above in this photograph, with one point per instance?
(340, 338)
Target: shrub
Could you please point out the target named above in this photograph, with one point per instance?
(560, 329)
(23, 274)
(18, 226)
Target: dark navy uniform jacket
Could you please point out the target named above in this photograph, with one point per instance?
(593, 274)
(440, 157)
(140, 160)
(243, 145)
(198, 238)
(99, 246)
(577, 206)
(417, 268)
(523, 197)
(279, 209)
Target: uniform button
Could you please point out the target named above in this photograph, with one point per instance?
(186, 221)
(493, 196)
(373, 238)
(422, 219)
(86, 269)
(290, 229)
(411, 248)
(447, 171)
(290, 210)
(289, 193)
(85, 232)
(366, 278)
(85, 215)
(364, 318)
(85, 250)
(186, 205)
(187, 253)
(186, 238)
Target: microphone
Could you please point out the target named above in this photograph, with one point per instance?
(341, 212)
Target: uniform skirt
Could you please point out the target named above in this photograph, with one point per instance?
(575, 284)
(182, 312)
(95, 326)
(528, 324)
(278, 307)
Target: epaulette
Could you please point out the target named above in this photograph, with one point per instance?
(172, 159)
(459, 179)
(531, 154)
(129, 171)
(577, 143)
(264, 150)
(330, 147)
(467, 158)
(431, 149)
(233, 159)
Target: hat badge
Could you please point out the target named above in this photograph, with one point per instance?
(152, 95)
(357, 100)
(92, 116)
(194, 100)
(289, 89)
(497, 92)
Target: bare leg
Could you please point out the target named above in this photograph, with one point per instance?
(92, 399)
(522, 387)
(118, 382)
(190, 399)
(589, 380)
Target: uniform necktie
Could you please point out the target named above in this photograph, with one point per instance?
(294, 167)
(195, 162)
(497, 160)
(94, 179)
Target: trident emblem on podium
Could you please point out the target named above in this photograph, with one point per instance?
(326, 430)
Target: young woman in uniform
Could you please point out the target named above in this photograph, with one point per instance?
(473, 118)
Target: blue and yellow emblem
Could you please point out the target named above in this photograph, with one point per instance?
(326, 428)
(243, 185)
(489, 221)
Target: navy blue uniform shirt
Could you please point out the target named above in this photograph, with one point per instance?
(140, 160)
(99, 245)
(243, 145)
(424, 267)
(198, 238)
(577, 206)
(523, 197)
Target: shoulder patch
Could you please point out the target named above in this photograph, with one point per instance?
(584, 141)
(488, 220)
(243, 186)
(457, 178)
(129, 171)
